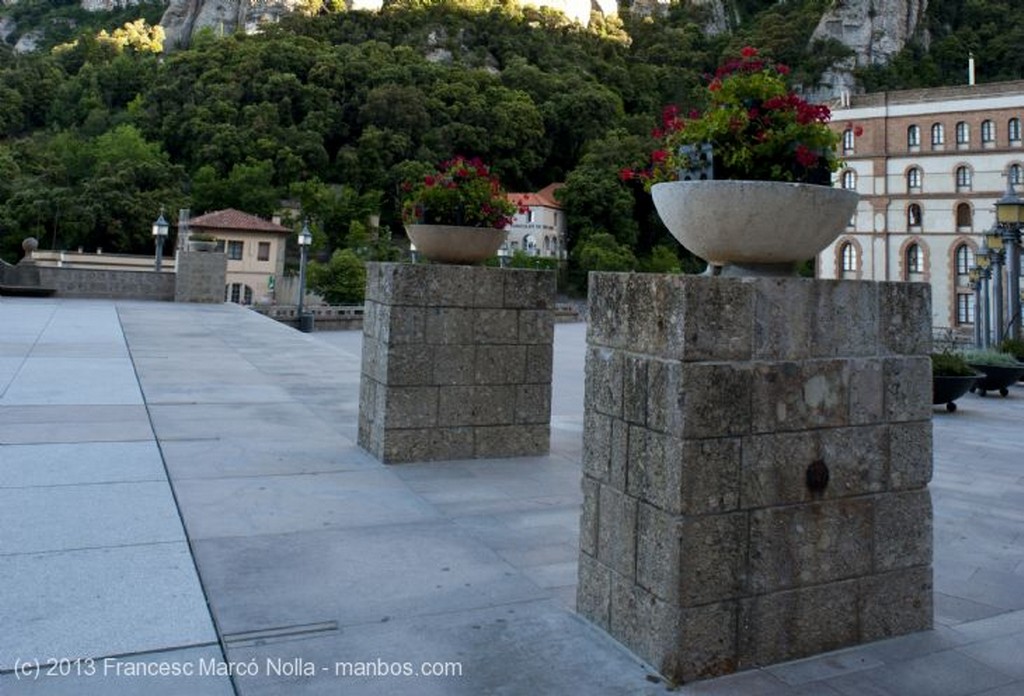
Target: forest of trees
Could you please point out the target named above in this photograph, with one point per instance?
(336, 110)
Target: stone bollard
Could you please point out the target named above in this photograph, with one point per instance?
(456, 362)
(756, 460)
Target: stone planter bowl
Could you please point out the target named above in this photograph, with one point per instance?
(753, 223)
(454, 244)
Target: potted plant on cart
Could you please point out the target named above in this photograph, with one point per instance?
(745, 183)
(952, 377)
(999, 370)
(458, 213)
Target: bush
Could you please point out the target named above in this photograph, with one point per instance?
(990, 357)
(948, 364)
(1013, 346)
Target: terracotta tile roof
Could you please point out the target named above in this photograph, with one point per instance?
(231, 219)
(545, 197)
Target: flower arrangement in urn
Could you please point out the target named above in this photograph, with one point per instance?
(754, 128)
(745, 183)
(458, 213)
(460, 192)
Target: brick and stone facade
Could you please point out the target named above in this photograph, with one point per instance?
(456, 362)
(710, 403)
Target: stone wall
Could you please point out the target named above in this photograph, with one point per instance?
(201, 276)
(456, 362)
(715, 408)
(135, 285)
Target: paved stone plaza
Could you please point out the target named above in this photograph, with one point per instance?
(180, 486)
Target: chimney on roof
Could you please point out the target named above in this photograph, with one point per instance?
(970, 69)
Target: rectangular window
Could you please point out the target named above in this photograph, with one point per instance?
(236, 291)
(263, 252)
(235, 251)
(964, 308)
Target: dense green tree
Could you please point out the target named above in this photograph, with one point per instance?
(342, 280)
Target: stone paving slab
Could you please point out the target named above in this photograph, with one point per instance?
(99, 602)
(283, 417)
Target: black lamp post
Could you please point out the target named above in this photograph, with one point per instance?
(984, 274)
(160, 228)
(994, 242)
(975, 275)
(305, 239)
(1010, 218)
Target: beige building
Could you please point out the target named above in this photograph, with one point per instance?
(255, 249)
(541, 229)
(929, 166)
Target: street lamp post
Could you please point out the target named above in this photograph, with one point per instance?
(975, 277)
(1010, 218)
(305, 239)
(986, 313)
(995, 253)
(160, 228)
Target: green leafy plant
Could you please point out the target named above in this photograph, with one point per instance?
(1013, 346)
(991, 357)
(950, 364)
(461, 192)
(757, 126)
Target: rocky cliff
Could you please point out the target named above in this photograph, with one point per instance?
(874, 29)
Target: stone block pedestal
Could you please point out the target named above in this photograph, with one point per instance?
(456, 362)
(757, 455)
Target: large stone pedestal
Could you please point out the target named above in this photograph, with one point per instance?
(456, 362)
(756, 461)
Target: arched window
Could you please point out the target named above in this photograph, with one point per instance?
(988, 132)
(938, 134)
(963, 178)
(915, 259)
(1013, 130)
(914, 136)
(914, 215)
(848, 140)
(963, 133)
(849, 179)
(913, 179)
(964, 261)
(848, 258)
(1014, 173)
(964, 216)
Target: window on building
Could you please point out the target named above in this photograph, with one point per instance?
(849, 179)
(529, 214)
(914, 136)
(239, 293)
(965, 308)
(963, 178)
(964, 216)
(235, 251)
(988, 132)
(848, 138)
(1014, 173)
(915, 259)
(963, 133)
(263, 251)
(938, 134)
(848, 258)
(914, 215)
(913, 179)
(964, 261)
(1013, 130)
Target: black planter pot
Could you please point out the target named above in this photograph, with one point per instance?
(996, 378)
(947, 389)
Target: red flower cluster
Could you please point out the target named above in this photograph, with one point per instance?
(461, 192)
(755, 125)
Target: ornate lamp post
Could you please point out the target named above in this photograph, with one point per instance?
(975, 276)
(984, 273)
(994, 241)
(160, 228)
(1010, 218)
(305, 239)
